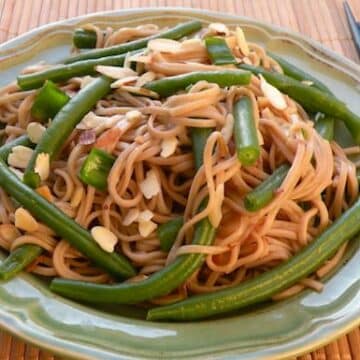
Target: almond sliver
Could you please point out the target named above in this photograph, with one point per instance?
(115, 72)
(146, 215)
(164, 45)
(168, 146)
(123, 81)
(146, 228)
(150, 186)
(139, 91)
(275, 97)
(241, 41)
(131, 217)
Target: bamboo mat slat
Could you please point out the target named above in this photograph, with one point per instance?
(322, 20)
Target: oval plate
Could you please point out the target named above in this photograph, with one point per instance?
(277, 331)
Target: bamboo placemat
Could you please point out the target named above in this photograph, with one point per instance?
(322, 20)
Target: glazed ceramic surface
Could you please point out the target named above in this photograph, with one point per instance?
(274, 331)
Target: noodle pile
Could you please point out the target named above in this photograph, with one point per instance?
(320, 185)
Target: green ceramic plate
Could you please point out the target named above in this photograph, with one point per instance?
(276, 331)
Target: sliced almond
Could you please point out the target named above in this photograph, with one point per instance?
(191, 44)
(20, 156)
(139, 91)
(9, 232)
(150, 186)
(145, 215)
(164, 45)
(241, 41)
(227, 130)
(124, 81)
(275, 97)
(91, 121)
(168, 146)
(131, 216)
(145, 78)
(146, 228)
(35, 131)
(42, 166)
(115, 72)
(25, 221)
(77, 196)
(219, 28)
(133, 116)
(105, 238)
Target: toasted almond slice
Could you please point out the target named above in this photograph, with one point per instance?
(241, 41)
(131, 216)
(146, 228)
(164, 45)
(168, 146)
(219, 28)
(25, 221)
(145, 78)
(105, 238)
(146, 215)
(42, 165)
(77, 196)
(35, 131)
(191, 44)
(275, 97)
(9, 232)
(115, 72)
(124, 81)
(227, 130)
(20, 156)
(150, 186)
(139, 91)
(91, 121)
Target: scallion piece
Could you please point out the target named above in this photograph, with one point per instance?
(168, 231)
(49, 100)
(218, 51)
(95, 169)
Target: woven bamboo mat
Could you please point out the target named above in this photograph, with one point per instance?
(322, 20)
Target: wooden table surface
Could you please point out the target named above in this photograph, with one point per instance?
(322, 20)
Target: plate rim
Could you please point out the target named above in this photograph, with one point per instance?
(352, 70)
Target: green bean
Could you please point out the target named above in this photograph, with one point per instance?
(324, 125)
(63, 226)
(64, 123)
(264, 193)
(245, 132)
(218, 51)
(170, 85)
(175, 33)
(24, 255)
(18, 260)
(61, 73)
(271, 282)
(84, 39)
(198, 139)
(312, 99)
(299, 74)
(168, 231)
(158, 284)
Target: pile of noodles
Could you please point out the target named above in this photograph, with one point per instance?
(320, 185)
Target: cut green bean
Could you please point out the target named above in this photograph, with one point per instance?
(49, 100)
(158, 284)
(218, 51)
(63, 226)
(296, 73)
(84, 39)
(170, 85)
(271, 282)
(174, 33)
(324, 125)
(264, 193)
(311, 98)
(199, 137)
(167, 233)
(61, 73)
(95, 169)
(245, 132)
(64, 123)
(18, 260)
